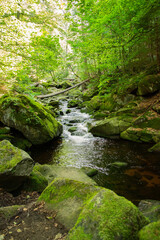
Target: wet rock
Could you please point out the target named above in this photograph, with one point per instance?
(68, 111)
(72, 129)
(119, 164)
(29, 117)
(91, 172)
(110, 127)
(15, 166)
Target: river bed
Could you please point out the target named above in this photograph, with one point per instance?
(140, 179)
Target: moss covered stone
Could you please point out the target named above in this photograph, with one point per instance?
(35, 182)
(110, 127)
(149, 84)
(106, 216)
(29, 117)
(67, 197)
(15, 165)
(150, 232)
(145, 128)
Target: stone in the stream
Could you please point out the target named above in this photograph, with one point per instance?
(110, 127)
(31, 118)
(72, 129)
(15, 166)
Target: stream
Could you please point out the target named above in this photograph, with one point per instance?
(139, 179)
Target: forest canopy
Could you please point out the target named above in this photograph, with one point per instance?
(108, 39)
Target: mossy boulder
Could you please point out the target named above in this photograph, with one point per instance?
(150, 232)
(15, 166)
(31, 118)
(110, 127)
(72, 129)
(67, 197)
(149, 84)
(51, 172)
(150, 209)
(155, 148)
(108, 216)
(145, 128)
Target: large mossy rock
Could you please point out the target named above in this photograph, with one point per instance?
(93, 212)
(149, 84)
(51, 172)
(150, 232)
(67, 197)
(110, 127)
(15, 166)
(145, 128)
(29, 117)
(106, 216)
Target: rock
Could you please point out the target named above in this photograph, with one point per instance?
(110, 127)
(51, 172)
(72, 129)
(150, 209)
(68, 111)
(149, 84)
(91, 172)
(151, 231)
(15, 166)
(31, 118)
(67, 197)
(35, 182)
(54, 103)
(107, 216)
(119, 164)
(73, 103)
(145, 128)
(6, 213)
(155, 148)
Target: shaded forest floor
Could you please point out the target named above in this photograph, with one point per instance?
(32, 221)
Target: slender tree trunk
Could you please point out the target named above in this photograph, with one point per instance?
(157, 28)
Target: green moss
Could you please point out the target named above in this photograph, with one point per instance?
(9, 156)
(36, 182)
(29, 117)
(108, 216)
(151, 231)
(61, 189)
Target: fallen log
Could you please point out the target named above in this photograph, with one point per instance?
(66, 90)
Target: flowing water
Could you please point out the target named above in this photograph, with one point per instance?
(140, 179)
